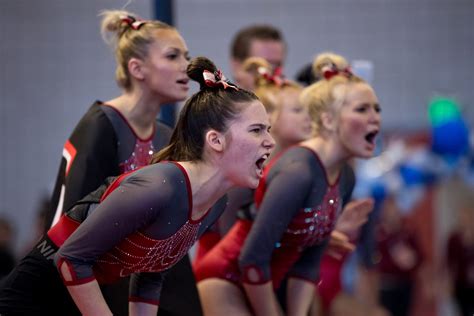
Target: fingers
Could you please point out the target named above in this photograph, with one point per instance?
(339, 244)
(361, 205)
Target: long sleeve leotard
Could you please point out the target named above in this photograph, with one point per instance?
(296, 210)
(143, 226)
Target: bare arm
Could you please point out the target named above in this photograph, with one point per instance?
(263, 299)
(89, 299)
(300, 295)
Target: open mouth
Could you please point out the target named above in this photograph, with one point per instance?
(261, 161)
(183, 81)
(370, 137)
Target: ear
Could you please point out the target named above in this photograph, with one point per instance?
(136, 68)
(328, 119)
(215, 140)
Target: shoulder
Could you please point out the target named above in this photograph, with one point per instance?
(162, 135)
(167, 176)
(296, 163)
(348, 176)
(95, 114)
(164, 170)
(303, 160)
(93, 127)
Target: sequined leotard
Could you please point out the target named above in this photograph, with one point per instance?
(142, 227)
(103, 144)
(296, 211)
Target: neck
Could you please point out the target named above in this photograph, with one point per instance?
(139, 109)
(208, 184)
(330, 155)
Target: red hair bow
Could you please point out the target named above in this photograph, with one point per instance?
(217, 79)
(133, 22)
(331, 70)
(276, 77)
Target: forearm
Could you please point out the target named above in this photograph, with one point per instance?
(263, 300)
(89, 299)
(300, 295)
(142, 309)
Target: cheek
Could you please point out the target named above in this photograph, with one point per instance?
(241, 150)
(286, 122)
(353, 126)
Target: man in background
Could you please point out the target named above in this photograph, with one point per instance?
(259, 40)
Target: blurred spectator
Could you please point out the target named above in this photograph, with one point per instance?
(259, 40)
(399, 259)
(460, 259)
(38, 229)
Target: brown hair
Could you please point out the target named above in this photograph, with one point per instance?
(240, 46)
(209, 108)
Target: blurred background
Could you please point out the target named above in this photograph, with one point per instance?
(54, 64)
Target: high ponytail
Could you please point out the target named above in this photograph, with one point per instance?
(212, 107)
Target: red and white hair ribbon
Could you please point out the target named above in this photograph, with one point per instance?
(133, 22)
(217, 79)
(276, 77)
(330, 70)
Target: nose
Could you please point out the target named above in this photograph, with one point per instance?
(269, 142)
(375, 117)
(184, 64)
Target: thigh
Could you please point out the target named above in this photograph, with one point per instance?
(35, 288)
(179, 295)
(220, 297)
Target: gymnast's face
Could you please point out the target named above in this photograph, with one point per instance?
(164, 69)
(248, 145)
(291, 122)
(358, 120)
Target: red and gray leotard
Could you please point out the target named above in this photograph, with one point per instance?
(142, 227)
(296, 211)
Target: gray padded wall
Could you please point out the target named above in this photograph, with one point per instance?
(419, 48)
(54, 64)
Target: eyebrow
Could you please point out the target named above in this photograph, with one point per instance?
(261, 125)
(178, 49)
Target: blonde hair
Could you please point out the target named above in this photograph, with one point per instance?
(128, 40)
(268, 87)
(321, 96)
(328, 59)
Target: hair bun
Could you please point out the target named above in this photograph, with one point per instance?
(327, 60)
(196, 69)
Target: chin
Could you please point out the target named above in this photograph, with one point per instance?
(251, 183)
(366, 155)
(177, 98)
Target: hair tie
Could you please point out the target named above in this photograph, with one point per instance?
(276, 77)
(330, 70)
(133, 22)
(217, 79)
